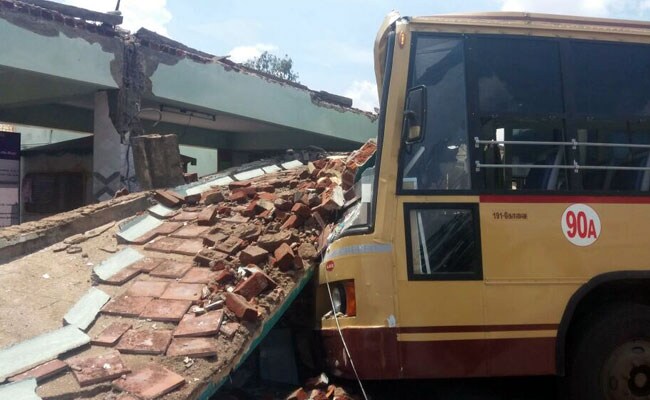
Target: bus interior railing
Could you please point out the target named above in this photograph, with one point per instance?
(574, 144)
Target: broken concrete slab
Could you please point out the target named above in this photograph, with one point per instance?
(192, 347)
(271, 169)
(42, 371)
(150, 382)
(292, 164)
(162, 211)
(207, 324)
(144, 342)
(90, 370)
(117, 262)
(166, 310)
(85, 310)
(137, 227)
(190, 232)
(111, 334)
(253, 173)
(23, 390)
(30, 353)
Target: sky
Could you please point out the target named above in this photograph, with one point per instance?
(329, 41)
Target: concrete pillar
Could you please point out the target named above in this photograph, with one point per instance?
(111, 171)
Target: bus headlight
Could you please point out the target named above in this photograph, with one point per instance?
(344, 298)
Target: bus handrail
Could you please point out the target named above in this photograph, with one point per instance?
(573, 143)
(576, 167)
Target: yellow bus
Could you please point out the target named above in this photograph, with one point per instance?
(504, 228)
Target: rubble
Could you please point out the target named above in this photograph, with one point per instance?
(200, 276)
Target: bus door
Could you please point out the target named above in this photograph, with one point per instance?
(437, 235)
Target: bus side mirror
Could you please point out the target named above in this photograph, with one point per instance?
(415, 114)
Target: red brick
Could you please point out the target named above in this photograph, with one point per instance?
(235, 219)
(242, 309)
(126, 306)
(213, 238)
(150, 383)
(111, 334)
(229, 329)
(189, 247)
(192, 198)
(321, 222)
(224, 277)
(167, 198)
(253, 255)
(267, 195)
(164, 229)
(166, 310)
(301, 210)
(207, 324)
(163, 245)
(42, 371)
(144, 288)
(213, 197)
(284, 257)
(92, 370)
(250, 210)
(238, 196)
(271, 241)
(122, 276)
(192, 347)
(185, 216)
(333, 199)
(238, 184)
(148, 341)
(214, 259)
(190, 177)
(293, 221)
(248, 232)
(190, 232)
(208, 216)
(230, 245)
(254, 285)
(184, 291)
(171, 269)
(147, 264)
(298, 394)
(282, 204)
(199, 275)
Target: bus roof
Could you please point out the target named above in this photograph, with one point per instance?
(561, 25)
(516, 23)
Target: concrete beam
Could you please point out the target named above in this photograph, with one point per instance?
(213, 86)
(51, 116)
(76, 55)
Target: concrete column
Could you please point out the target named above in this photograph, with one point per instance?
(111, 171)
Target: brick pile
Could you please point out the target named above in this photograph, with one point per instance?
(212, 273)
(319, 388)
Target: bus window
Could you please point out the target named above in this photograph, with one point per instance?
(611, 78)
(440, 160)
(521, 166)
(443, 243)
(610, 178)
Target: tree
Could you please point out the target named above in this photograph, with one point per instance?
(274, 65)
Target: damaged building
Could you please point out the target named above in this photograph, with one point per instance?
(72, 70)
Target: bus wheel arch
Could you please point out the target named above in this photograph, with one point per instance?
(602, 291)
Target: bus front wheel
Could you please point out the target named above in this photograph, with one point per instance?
(612, 359)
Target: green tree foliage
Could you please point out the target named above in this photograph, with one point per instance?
(274, 65)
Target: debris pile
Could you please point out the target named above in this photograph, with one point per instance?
(319, 388)
(193, 280)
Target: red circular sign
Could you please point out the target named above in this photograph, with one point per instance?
(329, 266)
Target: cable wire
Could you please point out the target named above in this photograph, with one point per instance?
(345, 346)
